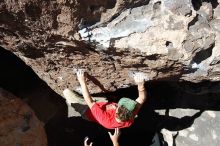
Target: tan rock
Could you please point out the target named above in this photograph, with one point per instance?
(18, 123)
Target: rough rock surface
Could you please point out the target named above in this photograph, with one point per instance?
(18, 124)
(167, 40)
(50, 108)
(203, 131)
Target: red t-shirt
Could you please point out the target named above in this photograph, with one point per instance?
(99, 113)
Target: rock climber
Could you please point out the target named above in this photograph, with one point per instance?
(109, 114)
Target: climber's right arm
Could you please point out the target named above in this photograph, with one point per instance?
(86, 95)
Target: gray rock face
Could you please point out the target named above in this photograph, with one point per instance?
(172, 30)
(203, 131)
(166, 40)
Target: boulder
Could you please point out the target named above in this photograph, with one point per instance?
(202, 130)
(18, 124)
(166, 40)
